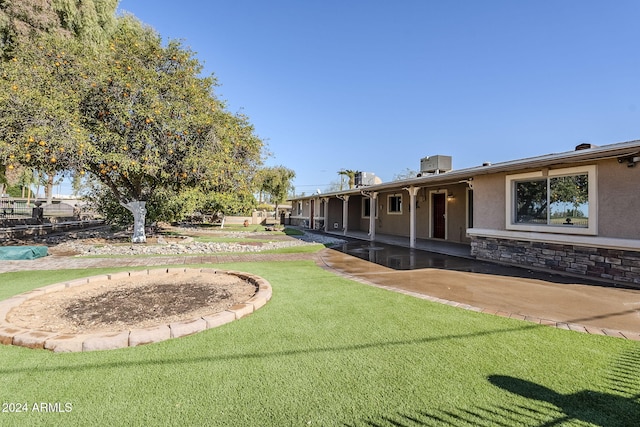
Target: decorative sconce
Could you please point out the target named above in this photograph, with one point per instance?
(450, 196)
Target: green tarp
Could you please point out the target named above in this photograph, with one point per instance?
(22, 252)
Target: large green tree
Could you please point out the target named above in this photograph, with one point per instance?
(155, 126)
(38, 39)
(135, 114)
(40, 88)
(90, 21)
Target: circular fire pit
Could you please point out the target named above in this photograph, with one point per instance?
(129, 308)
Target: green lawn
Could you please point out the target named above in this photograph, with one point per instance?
(327, 351)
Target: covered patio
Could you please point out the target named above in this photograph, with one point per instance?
(438, 246)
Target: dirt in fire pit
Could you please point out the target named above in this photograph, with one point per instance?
(137, 302)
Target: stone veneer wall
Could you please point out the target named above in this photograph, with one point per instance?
(611, 264)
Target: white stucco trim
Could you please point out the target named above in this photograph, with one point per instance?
(574, 240)
(413, 192)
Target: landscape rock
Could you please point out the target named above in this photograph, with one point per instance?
(187, 246)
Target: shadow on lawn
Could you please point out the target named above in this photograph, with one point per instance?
(608, 316)
(619, 406)
(284, 353)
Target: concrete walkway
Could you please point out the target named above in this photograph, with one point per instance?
(545, 299)
(462, 250)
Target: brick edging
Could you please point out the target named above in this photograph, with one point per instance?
(65, 342)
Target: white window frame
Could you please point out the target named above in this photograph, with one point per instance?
(389, 211)
(510, 211)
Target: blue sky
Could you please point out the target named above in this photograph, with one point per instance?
(375, 85)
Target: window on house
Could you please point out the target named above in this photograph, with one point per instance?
(366, 208)
(564, 198)
(531, 201)
(395, 204)
(299, 208)
(569, 200)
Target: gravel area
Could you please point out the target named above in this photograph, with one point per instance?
(181, 246)
(320, 238)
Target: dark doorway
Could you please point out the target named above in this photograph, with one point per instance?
(439, 222)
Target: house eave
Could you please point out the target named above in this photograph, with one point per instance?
(579, 156)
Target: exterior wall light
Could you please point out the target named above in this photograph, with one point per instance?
(630, 160)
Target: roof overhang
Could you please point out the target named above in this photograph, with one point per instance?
(620, 150)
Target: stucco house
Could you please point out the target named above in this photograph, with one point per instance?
(576, 212)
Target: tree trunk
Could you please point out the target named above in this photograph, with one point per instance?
(49, 188)
(139, 211)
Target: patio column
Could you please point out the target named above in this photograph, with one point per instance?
(345, 214)
(413, 192)
(373, 203)
(325, 213)
(316, 211)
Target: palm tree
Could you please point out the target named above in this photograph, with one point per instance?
(351, 174)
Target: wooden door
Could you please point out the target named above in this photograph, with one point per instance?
(439, 201)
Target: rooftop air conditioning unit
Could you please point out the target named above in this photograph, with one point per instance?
(365, 178)
(435, 164)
